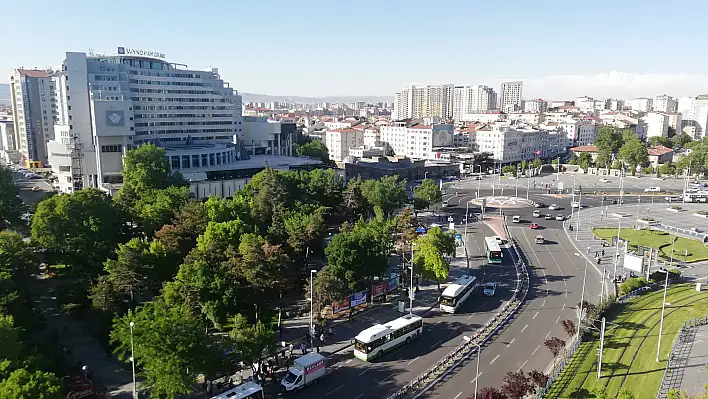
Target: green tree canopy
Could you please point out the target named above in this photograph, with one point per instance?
(172, 346)
(11, 207)
(81, 229)
(25, 384)
(584, 160)
(388, 193)
(634, 153)
(427, 193)
(432, 252)
(251, 341)
(660, 140)
(189, 223)
(314, 149)
(146, 168)
(18, 262)
(680, 140)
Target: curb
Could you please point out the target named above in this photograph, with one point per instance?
(584, 255)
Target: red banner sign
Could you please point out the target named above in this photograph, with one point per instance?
(340, 306)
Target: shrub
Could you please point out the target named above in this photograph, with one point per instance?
(702, 212)
(632, 284)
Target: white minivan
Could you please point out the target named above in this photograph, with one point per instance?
(516, 219)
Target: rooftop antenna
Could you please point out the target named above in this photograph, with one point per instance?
(91, 52)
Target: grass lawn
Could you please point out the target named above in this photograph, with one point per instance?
(658, 240)
(629, 359)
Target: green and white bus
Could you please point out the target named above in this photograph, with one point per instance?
(492, 250)
(377, 340)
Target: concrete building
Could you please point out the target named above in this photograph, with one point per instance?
(416, 101)
(614, 104)
(659, 155)
(578, 132)
(510, 96)
(415, 140)
(675, 121)
(116, 102)
(472, 99)
(694, 112)
(514, 144)
(657, 124)
(537, 106)
(665, 104)
(263, 135)
(7, 135)
(641, 104)
(339, 141)
(31, 93)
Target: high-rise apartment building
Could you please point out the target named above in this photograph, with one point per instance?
(694, 112)
(472, 99)
(641, 104)
(510, 96)
(664, 103)
(538, 106)
(416, 101)
(115, 102)
(32, 93)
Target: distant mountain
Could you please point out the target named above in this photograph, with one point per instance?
(4, 94)
(252, 97)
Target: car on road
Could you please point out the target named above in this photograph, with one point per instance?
(539, 205)
(553, 207)
(604, 180)
(560, 216)
(652, 189)
(577, 205)
(537, 214)
(516, 219)
(539, 239)
(672, 198)
(534, 226)
(490, 289)
(548, 216)
(498, 240)
(35, 188)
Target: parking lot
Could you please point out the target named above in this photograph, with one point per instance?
(594, 182)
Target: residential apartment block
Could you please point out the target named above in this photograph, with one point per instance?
(665, 104)
(511, 144)
(416, 101)
(32, 94)
(510, 96)
(415, 140)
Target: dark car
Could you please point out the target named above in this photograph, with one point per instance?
(539, 205)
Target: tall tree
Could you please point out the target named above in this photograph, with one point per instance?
(680, 140)
(314, 149)
(538, 378)
(489, 393)
(584, 160)
(569, 327)
(146, 168)
(660, 140)
(25, 384)
(555, 345)
(355, 204)
(328, 287)
(156, 208)
(81, 229)
(432, 253)
(427, 193)
(18, 262)
(516, 385)
(252, 341)
(172, 346)
(634, 153)
(11, 207)
(388, 193)
(189, 223)
(305, 231)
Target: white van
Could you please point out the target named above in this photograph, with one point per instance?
(516, 219)
(445, 204)
(304, 371)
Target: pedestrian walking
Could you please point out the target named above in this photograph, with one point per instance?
(322, 338)
(329, 331)
(303, 348)
(603, 252)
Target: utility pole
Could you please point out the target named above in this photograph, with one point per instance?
(602, 345)
(577, 224)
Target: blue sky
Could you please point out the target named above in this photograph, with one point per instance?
(336, 47)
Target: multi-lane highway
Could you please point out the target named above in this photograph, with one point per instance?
(355, 379)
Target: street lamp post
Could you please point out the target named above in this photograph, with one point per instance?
(312, 306)
(577, 224)
(411, 295)
(663, 306)
(479, 181)
(528, 180)
(582, 297)
(479, 354)
(132, 360)
(619, 229)
(467, 216)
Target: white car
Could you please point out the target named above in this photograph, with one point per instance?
(576, 205)
(652, 189)
(604, 181)
(560, 216)
(672, 198)
(490, 289)
(536, 214)
(553, 207)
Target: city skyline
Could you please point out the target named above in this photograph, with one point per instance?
(311, 60)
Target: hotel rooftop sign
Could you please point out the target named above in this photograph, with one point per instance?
(142, 53)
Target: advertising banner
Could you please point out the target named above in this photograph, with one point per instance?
(378, 290)
(634, 263)
(358, 298)
(393, 284)
(341, 306)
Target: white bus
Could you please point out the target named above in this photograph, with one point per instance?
(247, 390)
(457, 293)
(376, 340)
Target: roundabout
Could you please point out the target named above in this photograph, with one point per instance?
(503, 202)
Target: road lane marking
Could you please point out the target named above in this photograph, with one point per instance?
(536, 350)
(534, 316)
(363, 372)
(348, 361)
(475, 378)
(495, 359)
(563, 307)
(522, 366)
(549, 333)
(458, 395)
(525, 327)
(558, 319)
(334, 390)
(510, 342)
(413, 360)
(359, 396)
(439, 321)
(470, 316)
(566, 293)
(544, 303)
(384, 380)
(436, 344)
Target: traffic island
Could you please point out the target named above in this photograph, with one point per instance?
(683, 248)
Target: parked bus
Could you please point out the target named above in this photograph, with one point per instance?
(457, 293)
(492, 250)
(247, 390)
(378, 339)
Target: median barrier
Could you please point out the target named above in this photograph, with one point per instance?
(673, 362)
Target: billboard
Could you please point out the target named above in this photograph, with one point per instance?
(378, 290)
(443, 135)
(341, 306)
(634, 263)
(393, 284)
(358, 299)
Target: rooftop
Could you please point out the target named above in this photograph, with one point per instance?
(584, 148)
(659, 150)
(35, 73)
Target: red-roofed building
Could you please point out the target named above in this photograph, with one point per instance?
(659, 155)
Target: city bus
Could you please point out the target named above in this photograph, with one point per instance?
(247, 390)
(378, 339)
(492, 250)
(457, 293)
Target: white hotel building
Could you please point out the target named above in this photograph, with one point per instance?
(111, 103)
(511, 144)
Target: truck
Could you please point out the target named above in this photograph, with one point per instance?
(304, 371)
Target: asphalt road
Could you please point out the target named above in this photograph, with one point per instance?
(556, 275)
(352, 378)
(28, 192)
